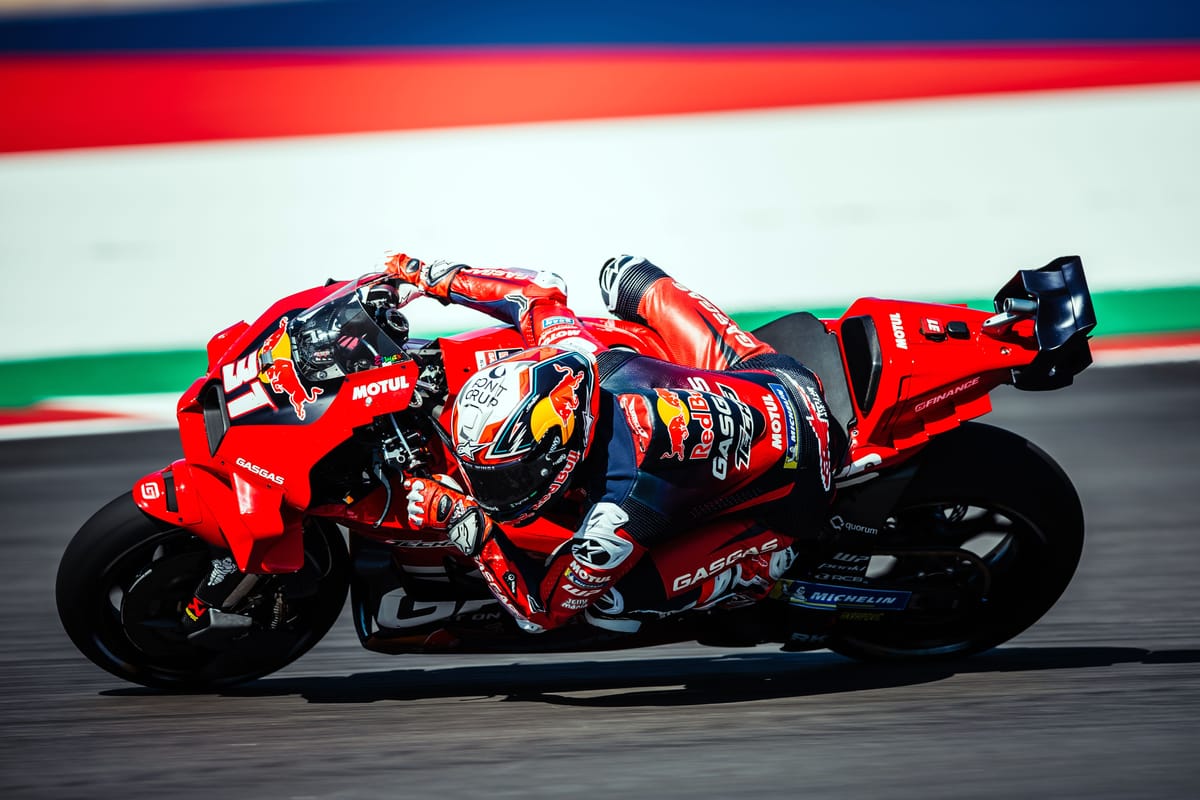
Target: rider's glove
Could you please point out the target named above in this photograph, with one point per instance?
(433, 278)
(438, 502)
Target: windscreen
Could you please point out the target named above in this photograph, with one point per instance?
(357, 328)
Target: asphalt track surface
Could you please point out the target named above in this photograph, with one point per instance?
(1101, 699)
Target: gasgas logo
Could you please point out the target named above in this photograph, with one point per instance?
(260, 471)
(691, 578)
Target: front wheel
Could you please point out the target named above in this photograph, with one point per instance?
(126, 577)
(986, 537)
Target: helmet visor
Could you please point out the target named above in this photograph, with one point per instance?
(508, 490)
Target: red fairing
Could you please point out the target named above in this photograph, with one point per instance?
(931, 380)
(250, 492)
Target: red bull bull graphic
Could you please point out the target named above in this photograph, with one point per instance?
(558, 408)
(675, 416)
(280, 373)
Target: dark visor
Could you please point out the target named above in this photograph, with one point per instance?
(507, 490)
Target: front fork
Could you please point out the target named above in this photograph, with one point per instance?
(208, 618)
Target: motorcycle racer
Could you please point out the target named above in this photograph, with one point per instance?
(728, 442)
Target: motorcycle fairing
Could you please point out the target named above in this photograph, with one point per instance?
(916, 370)
(245, 480)
(245, 516)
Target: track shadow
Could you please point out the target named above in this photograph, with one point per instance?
(689, 681)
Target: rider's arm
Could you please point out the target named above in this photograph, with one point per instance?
(534, 302)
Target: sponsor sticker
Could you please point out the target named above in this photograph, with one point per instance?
(279, 371)
(828, 597)
(898, 330)
(818, 419)
(791, 459)
(675, 417)
(637, 414)
(259, 471)
(745, 428)
(691, 578)
(485, 357)
(375, 388)
(946, 395)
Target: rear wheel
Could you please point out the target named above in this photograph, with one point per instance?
(986, 537)
(126, 577)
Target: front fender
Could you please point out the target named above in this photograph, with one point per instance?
(246, 517)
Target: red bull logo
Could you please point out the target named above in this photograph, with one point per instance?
(675, 416)
(281, 372)
(558, 408)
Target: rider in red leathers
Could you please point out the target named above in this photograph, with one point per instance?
(729, 439)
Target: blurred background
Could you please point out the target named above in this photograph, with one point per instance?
(167, 168)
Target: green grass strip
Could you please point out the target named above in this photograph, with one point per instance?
(1118, 313)
(1163, 310)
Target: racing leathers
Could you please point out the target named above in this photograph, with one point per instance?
(718, 459)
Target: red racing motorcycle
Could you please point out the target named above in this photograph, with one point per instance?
(947, 537)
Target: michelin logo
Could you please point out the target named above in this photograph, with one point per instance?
(825, 597)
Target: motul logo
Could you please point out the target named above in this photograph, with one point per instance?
(898, 331)
(379, 387)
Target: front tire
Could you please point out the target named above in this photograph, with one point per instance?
(1015, 517)
(126, 576)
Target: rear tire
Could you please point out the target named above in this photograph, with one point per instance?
(1022, 522)
(126, 576)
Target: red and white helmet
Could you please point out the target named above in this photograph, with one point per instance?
(523, 425)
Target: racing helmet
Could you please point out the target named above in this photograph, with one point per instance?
(522, 425)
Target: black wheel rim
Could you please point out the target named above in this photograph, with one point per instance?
(976, 572)
(140, 597)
